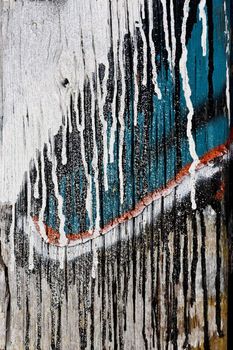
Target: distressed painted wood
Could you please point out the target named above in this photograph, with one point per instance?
(114, 152)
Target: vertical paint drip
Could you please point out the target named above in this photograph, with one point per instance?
(95, 259)
(152, 47)
(61, 256)
(36, 185)
(63, 153)
(144, 78)
(11, 238)
(114, 118)
(115, 46)
(133, 15)
(187, 96)
(31, 247)
(29, 224)
(62, 239)
(101, 102)
(81, 128)
(166, 33)
(227, 34)
(135, 101)
(68, 111)
(95, 164)
(173, 36)
(121, 115)
(203, 19)
(122, 132)
(44, 199)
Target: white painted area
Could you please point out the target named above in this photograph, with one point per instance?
(42, 45)
(203, 19)
(187, 96)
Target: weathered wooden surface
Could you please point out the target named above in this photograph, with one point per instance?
(160, 279)
(114, 151)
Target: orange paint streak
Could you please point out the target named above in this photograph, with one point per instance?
(53, 235)
(220, 193)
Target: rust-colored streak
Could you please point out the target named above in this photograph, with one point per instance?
(53, 235)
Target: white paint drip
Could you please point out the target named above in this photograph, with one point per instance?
(11, 238)
(122, 124)
(36, 185)
(62, 239)
(81, 128)
(101, 97)
(61, 256)
(31, 247)
(29, 224)
(135, 101)
(173, 36)
(187, 96)
(166, 32)
(144, 42)
(152, 46)
(115, 41)
(227, 34)
(101, 102)
(95, 164)
(133, 8)
(63, 153)
(95, 259)
(144, 78)
(44, 200)
(203, 19)
(114, 118)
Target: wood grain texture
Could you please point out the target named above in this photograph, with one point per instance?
(114, 182)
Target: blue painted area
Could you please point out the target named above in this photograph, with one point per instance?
(219, 74)
(197, 66)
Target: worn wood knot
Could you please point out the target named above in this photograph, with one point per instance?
(65, 82)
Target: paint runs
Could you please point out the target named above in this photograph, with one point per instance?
(227, 61)
(98, 94)
(187, 95)
(152, 47)
(61, 216)
(166, 32)
(203, 19)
